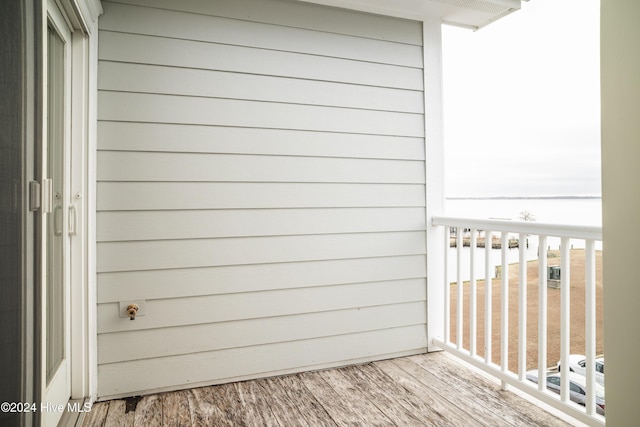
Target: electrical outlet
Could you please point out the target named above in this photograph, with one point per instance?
(142, 308)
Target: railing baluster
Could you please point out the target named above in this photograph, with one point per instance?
(542, 313)
(565, 316)
(472, 290)
(504, 313)
(590, 323)
(460, 297)
(488, 288)
(522, 307)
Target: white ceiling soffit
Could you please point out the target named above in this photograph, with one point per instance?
(472, 14)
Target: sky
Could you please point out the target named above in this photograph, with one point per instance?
(522, 103)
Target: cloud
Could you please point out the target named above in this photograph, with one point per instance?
(522, 113)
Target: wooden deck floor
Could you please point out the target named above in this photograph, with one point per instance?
(429, 390)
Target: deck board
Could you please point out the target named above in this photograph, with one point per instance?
(118, 416)
(175, 409)
(430, 389)
(149, 411)
(230, 405)
(202, 406)
(497, 400)
(258, 410)
(438, 410)
(357, 402)
(472, 403)
(282, 402)
(98, 415)
(407, 397)
(339, 410)
(294, 404)
(389, 399)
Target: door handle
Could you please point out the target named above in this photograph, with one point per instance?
(73, 220)
(47, 195)
(57, 220)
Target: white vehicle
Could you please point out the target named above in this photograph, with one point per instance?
(577, 388)
(577, 364)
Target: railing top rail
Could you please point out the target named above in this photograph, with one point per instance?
(529, 227)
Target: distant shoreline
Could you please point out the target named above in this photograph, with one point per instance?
(524, 198)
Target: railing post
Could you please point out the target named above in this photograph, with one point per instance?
(434, 176)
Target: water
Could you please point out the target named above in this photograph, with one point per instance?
(557, 210)
(571, 211)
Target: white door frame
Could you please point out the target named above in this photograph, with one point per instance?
(81, 18)
(56, 243)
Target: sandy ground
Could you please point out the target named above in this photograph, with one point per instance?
(577, 316)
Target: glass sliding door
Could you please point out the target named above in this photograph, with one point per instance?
(56, 378)
(55, 280)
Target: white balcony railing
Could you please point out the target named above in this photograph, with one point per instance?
(533, 241)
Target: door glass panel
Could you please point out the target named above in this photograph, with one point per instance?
(55, 237)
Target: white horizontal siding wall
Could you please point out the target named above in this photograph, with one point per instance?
(261, 185)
